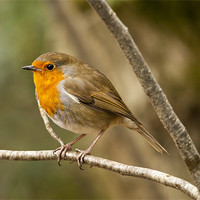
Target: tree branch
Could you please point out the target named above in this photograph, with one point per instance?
(47, 123)
(126, 170)
(158, 99)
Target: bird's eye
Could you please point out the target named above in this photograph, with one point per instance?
(50, 66)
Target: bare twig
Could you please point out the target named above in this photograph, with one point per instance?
(159, 100)
(47, 124)
(126, 170)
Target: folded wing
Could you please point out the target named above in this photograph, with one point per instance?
(103, 97)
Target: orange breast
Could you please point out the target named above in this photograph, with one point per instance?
(46, 88)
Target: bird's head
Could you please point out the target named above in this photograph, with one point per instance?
(52, 62)
(53, 67)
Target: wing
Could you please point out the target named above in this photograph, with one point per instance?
(98, 93)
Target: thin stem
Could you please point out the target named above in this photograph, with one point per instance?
(47, 124)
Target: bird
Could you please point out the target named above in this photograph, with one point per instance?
(80, 99)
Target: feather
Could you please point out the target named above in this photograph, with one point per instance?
(101, 98)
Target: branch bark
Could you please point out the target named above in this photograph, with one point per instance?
(126, 170)
(157, 97)
(47, 123)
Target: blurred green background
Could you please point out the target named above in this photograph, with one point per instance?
(166, 32)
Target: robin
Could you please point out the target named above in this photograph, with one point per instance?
(81, 99)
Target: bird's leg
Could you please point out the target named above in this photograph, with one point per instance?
(66, 147)
(83, 153)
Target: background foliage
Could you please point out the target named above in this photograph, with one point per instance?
(166, 32)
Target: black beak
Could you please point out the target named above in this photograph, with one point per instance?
(30, 67)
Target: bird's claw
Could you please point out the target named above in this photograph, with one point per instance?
(80, 157)
(62, 149)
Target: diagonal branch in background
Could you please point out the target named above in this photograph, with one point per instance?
(126, 170)
(64, 16)
(158, 99)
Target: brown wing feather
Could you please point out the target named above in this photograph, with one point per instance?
(103, 98)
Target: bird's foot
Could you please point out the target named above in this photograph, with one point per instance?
(80, 157)
(63, 149)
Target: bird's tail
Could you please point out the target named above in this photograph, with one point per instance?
(134, 125)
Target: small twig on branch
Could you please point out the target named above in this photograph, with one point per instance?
(47, 123)
(158, 99)
(126, 170)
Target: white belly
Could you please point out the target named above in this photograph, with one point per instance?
(75, 128)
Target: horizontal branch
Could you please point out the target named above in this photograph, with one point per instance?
(113, 166)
